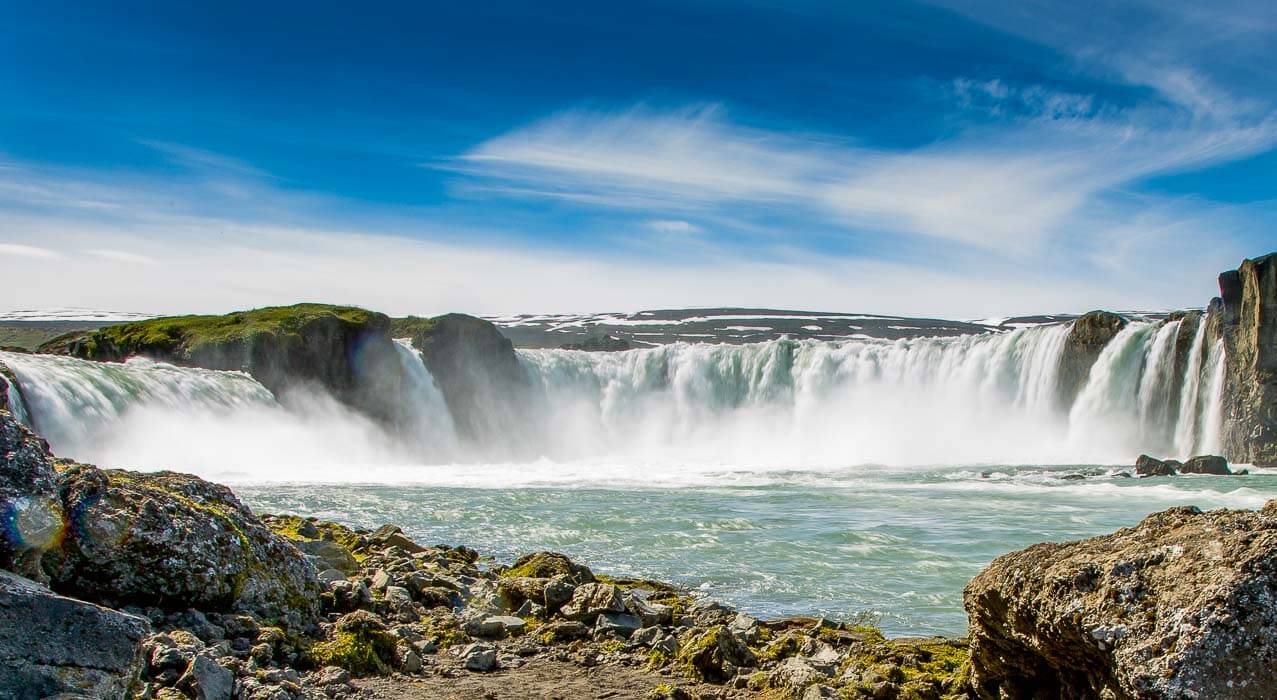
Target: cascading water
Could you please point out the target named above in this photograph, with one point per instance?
(978, 399)
(973, 399)
(428, 423)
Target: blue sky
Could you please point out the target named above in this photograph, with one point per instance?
(954, 158)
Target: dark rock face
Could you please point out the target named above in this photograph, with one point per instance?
(1090, 333)
(176, 541)
(1206, 464)
(31, 518)
(346, 352)
(488, 392)
(1184, 605)
(1151, 466)
(51, 645)
(1248, 324)
(599, 343)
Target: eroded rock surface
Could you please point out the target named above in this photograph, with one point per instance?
(1248, 324)
(52, 645)
(1184, 605)
(176, 541)
(1085, 341)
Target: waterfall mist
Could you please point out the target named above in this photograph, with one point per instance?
(655, 414)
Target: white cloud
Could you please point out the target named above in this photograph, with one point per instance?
(122, 256)
(673, 227)
(1011, 188)
(28, 251)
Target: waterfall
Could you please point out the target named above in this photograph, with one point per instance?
(72, 402)
(979, 399)
(428, 423)
(16, 405)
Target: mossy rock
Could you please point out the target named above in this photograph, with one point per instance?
(549, 565)
(360, 644)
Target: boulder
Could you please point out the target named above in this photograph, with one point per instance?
(31, 517)
(712, 655)
(177, 542)
(1086, 339)
(52, 645)
(591, 600)
(1151, 466)
(549, 565)
(479, 657)
(334, 555)
(1184, 605)
(1247, 315)
(1206, 464)
(205, 679)
(620, 625)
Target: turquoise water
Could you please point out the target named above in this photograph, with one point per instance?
(896, 542)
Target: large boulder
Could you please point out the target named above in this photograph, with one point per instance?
(1184, 605)
(1082, 347)
(1248, 323)
(31, 519)
(176, 541)
(54, 646)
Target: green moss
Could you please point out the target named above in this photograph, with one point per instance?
(612, 646)
(182, 335)
(411, 326)
(626, 583)
(362, 653)
(290, 526)
(658, 658)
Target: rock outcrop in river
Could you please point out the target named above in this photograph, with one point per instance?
(1248, 322)
(1183, 605)
(1082, 347)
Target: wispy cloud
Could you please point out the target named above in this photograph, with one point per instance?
(1007, 188)
(18, 250)
(122, 256)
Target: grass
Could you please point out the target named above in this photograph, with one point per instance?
(184, 334)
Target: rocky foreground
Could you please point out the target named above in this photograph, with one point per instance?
(117, 584)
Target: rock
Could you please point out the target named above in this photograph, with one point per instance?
(333, 555)
(330, 576)
(488, 392)
(346, 351)
(549, 565)
(1180, 606)
(710, 655)
(31, 517)
(494, 626)
(746, 627)
(206, 680)
(1206, 464)
(1082, 347)
(359, 644)
(558, 591)
(398, 597)
(649, 613)
(620, 625)
(591, 600)
(820, 692)
(407, 659)
(564, 631)
(380, 579)
(50, 644)
(1151, 466)
(480, 657)
(179, 541)
(794, 674)
(1247, 316)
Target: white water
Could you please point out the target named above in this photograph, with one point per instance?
(662, 413)
(981, 399)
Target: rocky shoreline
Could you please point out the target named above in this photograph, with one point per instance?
(164, 586)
